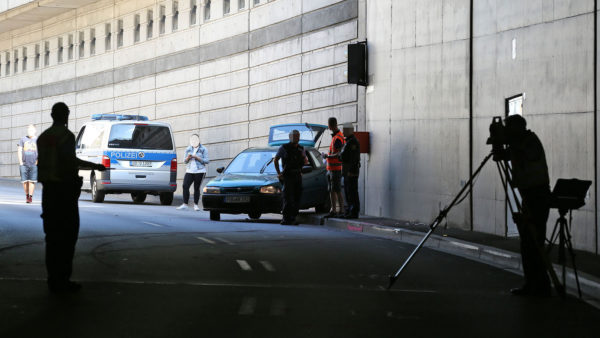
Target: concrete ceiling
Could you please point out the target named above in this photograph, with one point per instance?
(36, 11)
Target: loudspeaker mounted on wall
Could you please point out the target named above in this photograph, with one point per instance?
(358, 63)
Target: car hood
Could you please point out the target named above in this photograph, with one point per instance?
(242, 180)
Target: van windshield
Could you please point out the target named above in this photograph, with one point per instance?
(140, 136)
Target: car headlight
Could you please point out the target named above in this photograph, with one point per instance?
(269, 189)
(211, 190)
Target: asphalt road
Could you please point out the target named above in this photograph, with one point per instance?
(153, 271)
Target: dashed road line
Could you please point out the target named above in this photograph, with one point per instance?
(224, 241)
(153, 224)
(248, 306)
(268, 266)
(244, 265)
(206, 240)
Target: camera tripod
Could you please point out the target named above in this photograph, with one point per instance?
(506, 176)
(562, 232)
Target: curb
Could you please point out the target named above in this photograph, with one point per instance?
(503, 259)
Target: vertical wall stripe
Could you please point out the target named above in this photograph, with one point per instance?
(471, 113)
(596, 121)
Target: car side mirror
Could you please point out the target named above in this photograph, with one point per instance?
(306, 169)
(220, 169)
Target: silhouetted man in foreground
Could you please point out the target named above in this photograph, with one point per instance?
(294, 158)
(530, 177)
(58, 168)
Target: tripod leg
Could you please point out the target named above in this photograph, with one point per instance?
(439, 219)
(552, 237)
(561, 250)
(572, 254)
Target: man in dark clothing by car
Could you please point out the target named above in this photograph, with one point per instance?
(58, 169)
(293, 158)
(530, 177)
(350, 156)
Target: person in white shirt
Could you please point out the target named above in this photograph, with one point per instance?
(195, 159)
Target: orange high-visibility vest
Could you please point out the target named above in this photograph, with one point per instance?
(334, 163)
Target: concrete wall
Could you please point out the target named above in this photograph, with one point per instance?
(418, 102)
(417, 107)
(227, 78)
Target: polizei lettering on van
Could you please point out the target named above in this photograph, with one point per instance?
(123, 155)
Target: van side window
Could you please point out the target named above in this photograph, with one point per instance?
(78, 142)
(92, 138)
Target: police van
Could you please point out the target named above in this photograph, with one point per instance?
(140, 155)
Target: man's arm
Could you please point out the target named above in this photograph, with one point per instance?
(337, 148)
(20, 154)
(276, 163)
(85, 165)
(203, 158)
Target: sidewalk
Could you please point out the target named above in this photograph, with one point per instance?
(485, 248)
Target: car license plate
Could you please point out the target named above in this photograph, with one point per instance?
(145, 164)
(237, 199)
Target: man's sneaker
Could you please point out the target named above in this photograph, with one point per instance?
(196, 208)
(182, 207)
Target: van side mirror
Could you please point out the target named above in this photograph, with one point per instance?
(220, 169)
(306, 169)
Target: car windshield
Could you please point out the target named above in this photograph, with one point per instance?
(140, 136)
(251, 162)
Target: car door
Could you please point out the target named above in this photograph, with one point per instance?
(314, 184)
(88, 148)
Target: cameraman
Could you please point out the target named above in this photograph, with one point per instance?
(530, 177)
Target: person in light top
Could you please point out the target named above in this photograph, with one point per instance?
(28, 157)
(195, 159)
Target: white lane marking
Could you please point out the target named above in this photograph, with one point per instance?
(206, 240)
(498, 253)
(18, 203)
(244, 265)
(153, 224)
(466, 246)
(224, 241)
(277, 307)
(248, 306)
(268, 266)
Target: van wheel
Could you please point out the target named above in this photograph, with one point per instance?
(97, 196)
(215, 216)
(254, 215)
(166, 198)
(138, 197)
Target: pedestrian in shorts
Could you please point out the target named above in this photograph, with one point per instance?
(27, 152)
